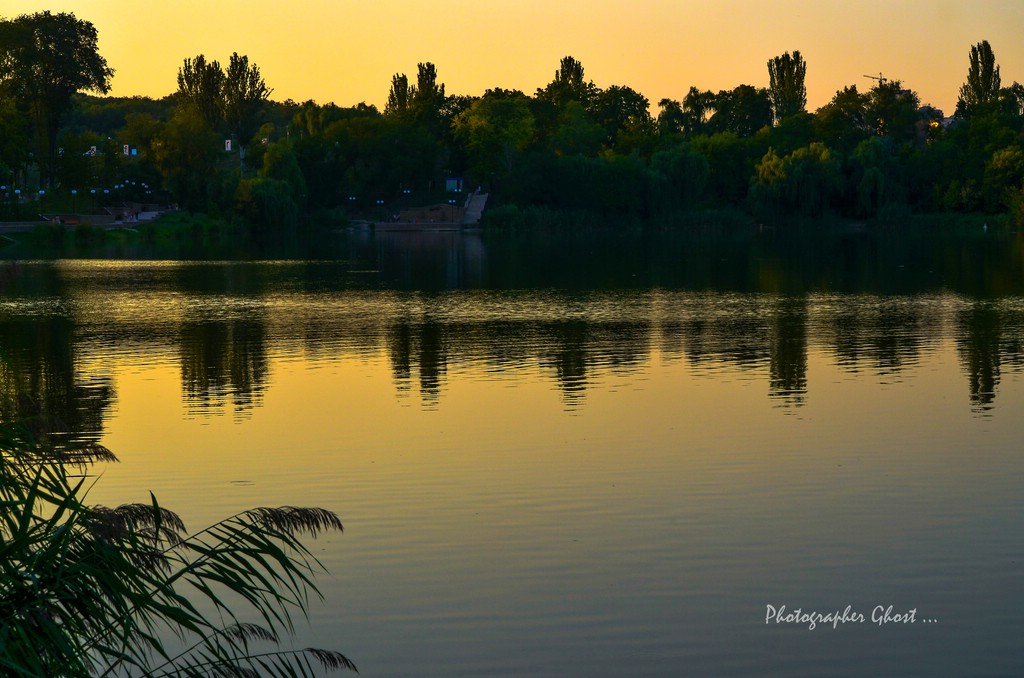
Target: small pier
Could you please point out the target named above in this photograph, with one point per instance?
(440, 217)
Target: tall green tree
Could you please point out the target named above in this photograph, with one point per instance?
(229, 99)
(843, 122)
(13, 139)
(243, 95)
(786, 86)
(428, 97)
(44, 60)
(399, 97)
(200, 83)
(983, 83)
(1004, 177)
(495, 129)
(743, 110)
(893, 110)
(185, 153)
(568, 85)
(621, 111)
(280, 163)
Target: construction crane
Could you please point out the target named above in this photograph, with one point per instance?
(880, 78)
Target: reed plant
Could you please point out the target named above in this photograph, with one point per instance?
(128, 591)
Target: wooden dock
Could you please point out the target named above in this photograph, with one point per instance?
(438, 217)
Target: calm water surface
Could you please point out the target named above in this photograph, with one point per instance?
(599, 469)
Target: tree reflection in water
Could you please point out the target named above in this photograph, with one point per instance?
(227, 322)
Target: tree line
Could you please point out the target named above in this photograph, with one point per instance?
(219, 144)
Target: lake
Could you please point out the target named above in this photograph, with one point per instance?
(579, 454)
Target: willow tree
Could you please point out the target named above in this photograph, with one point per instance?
(786, 87)
(698, 107)
(983, 81)
(44, 60)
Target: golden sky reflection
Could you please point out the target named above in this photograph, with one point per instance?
(337, 432)
(347, 51)
(668, 480)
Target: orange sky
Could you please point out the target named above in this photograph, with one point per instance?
(347, 50)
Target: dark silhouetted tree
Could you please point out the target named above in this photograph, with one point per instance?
(399, 96)
(186, 154)
(983, 82)
(495, 128)
(893, 110)
(698, 107)
(1004, 176)
(743, 110)
(568, 85)
(843, 122)
(621, 110)
(786, 84)
(576, 133)
(877, 176)
(13, 138)
(45, 59)
(200, 84)
(685, 172)
(1014, 95)
(428, 97)
(243, 94)
(670, 119)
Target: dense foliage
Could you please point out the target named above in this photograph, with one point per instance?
(569, 147)
(44, 60)
(89, 590)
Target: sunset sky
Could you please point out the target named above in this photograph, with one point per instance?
(346, 51)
